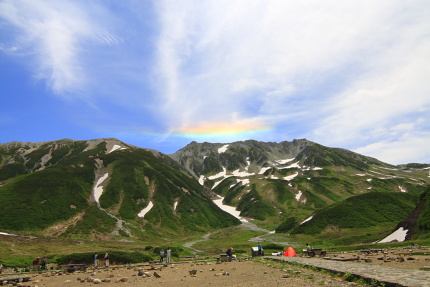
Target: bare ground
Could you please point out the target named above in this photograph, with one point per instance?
(236, 273)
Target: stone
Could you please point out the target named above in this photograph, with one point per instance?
(123, 279)
(286, 276)
(157, 275)
(97, 281)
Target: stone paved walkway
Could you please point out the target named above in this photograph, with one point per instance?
(389, 275)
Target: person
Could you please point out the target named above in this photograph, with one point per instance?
(169, 252)
(43, 264)
(260, 249)
(161, 255)
(36, 264)
(1, 268)
(106, 260)
(308, 249)
(96, 260)
(229, 253)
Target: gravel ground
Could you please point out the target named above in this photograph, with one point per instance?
(236, 273)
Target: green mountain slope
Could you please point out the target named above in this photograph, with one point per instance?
(281, 184)
(98, 188)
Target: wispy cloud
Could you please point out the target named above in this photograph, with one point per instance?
(54, 37)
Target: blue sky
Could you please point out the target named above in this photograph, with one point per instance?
(160, 74)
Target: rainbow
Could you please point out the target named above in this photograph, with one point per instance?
(226, 128)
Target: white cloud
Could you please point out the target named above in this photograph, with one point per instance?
(54, 37)
(346, 72)
(407, 148)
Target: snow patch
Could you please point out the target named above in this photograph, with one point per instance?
(223, 148)
(202, 180)
(307, 219)
(115, 147)
(402, 189)
(284, 161)
(222, 173)
(175, 205)
(299, 195)
(239, 173)
(244, 181)
(7, 234)
(399, 235)
(145, 210)
(229, 209)
(290, 177)
(98, 189)
(264, 169)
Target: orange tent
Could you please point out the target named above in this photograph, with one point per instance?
(290, 252)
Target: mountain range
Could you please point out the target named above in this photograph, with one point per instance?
(107, 189)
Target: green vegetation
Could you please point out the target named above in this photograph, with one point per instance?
(361, 211)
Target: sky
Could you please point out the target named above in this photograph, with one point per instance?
(160, 74)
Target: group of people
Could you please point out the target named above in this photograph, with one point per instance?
(168, 253)
(96, 260)
(43, 262)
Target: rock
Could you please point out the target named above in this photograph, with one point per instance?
(123, 279)
(89, 279)
(286, 276)
(368, 260)
(140, 273)
(157, 275)
(68, 281)
(400, 259)
(193, 272)
(97, 281)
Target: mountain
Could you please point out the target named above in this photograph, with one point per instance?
(285, 184)
(101, 188)
(105, 188)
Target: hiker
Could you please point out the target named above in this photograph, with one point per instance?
(161, 255)
(229, 253)
(36, 264)
(96, 260)
(1, 268)
(169, 252)
(43, 264)
(106, 260)
(260, 249)
(308, 249)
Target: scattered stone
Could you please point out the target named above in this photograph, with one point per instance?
(97, 281)
(368, 260)
(193, 272)
(400, 259)
(286, 276)
(157, 275)
(68, 281)
(140, 273)
(124, 279)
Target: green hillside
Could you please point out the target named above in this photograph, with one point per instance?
(50, 186)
